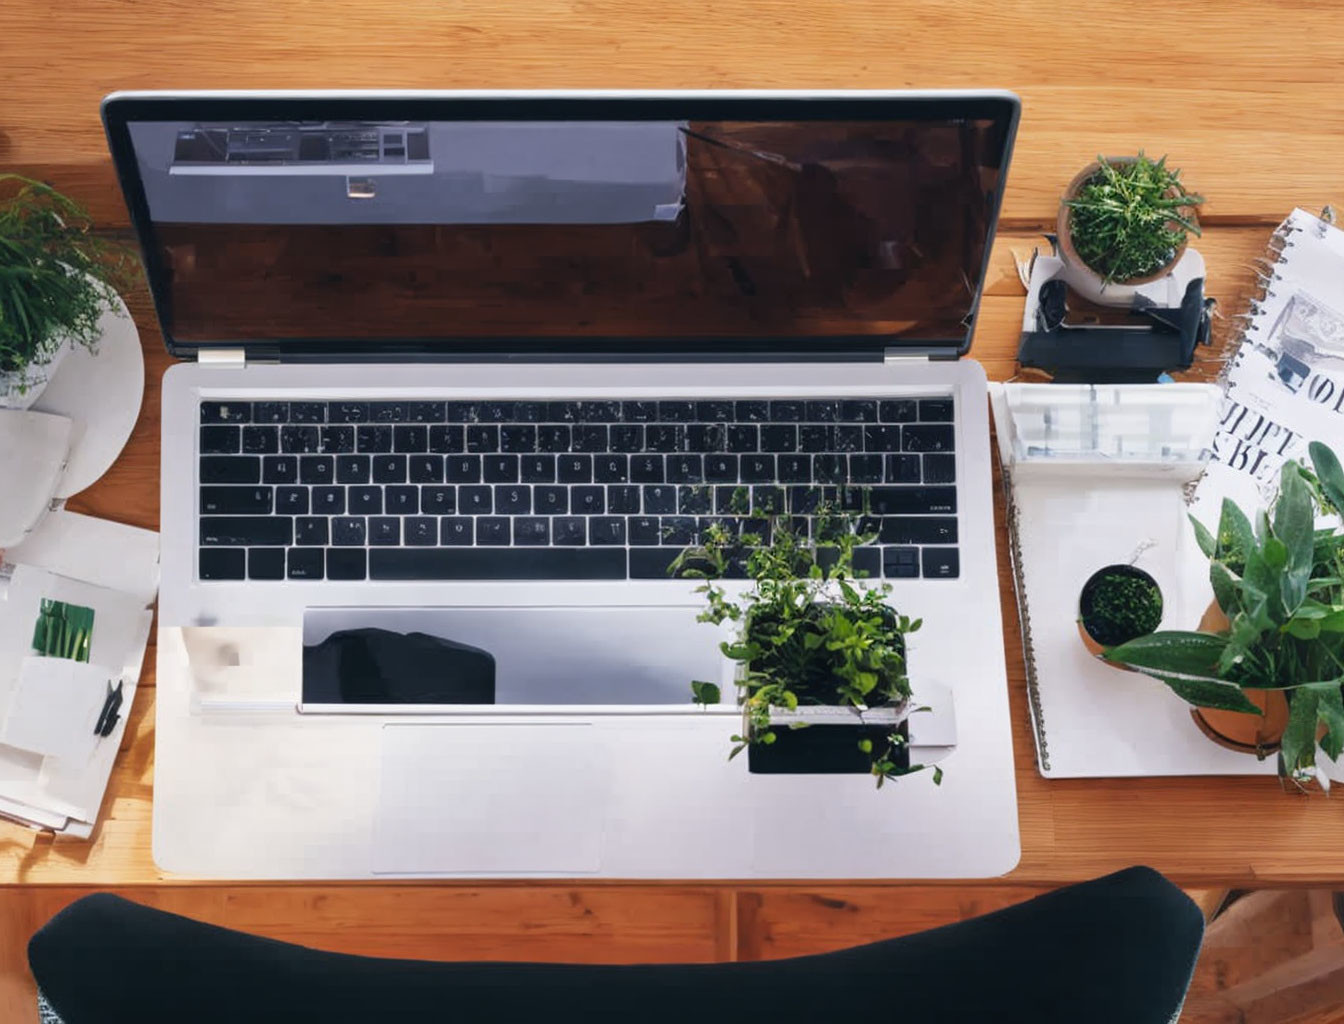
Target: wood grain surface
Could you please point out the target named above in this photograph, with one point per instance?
(1244, 96)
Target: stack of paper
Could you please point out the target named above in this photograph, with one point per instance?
(54, 765)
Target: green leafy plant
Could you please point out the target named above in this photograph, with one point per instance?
(1280, 582)
(56, 276)
(63, 630)
(810, 630)
(1129, 219)
(1120, 603)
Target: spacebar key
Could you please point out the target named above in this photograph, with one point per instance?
(496, 564)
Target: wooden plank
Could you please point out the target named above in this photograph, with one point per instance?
(1231, 96)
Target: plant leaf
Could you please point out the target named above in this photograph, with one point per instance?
(1294, 527)
(1224, 587)
(1329, 473)
(1204, 538)
(1299, 738)
(705, 693)
(1330, 712)
(1173, 651)
(1235, 536)
(1206, 693)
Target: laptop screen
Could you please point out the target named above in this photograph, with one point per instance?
(377, 232)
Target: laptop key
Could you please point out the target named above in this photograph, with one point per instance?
(611, 469)
(307, 412)
(753, 411)
(732, 500)
(639, 412)
(599, 412)
(438, 500)
(338, 440)
(537, 469)
(553, 437)
(574, 469)
(694, 501)
(900, 563)
(685, 469)
(813, 437)
(384, 530)
(626, 437)
(349, 531)
(532, 531)
(859, 410)
(868, 560)
(482, 438)
(918, 530)
(758, 469)
(475, 499)
(518, 439)
(352, 469)
(425, 412)
(660, 498)
(221, 564)
(421, 531)
(410, 439)
(499, 469)
(823, 410)
(291, 501)
(706, 437)
(347, 564)
(317, 469)
(721, 468)
(569, 530)
(901, 410)
(679, 530)
(297, 440)
(888, 501)
(865, 469)
(494, 412)
(311, 531)
(446, 438)
(589, 437)
(643, 530)
(676, 412)
(743, 437)
(230, 469)
(935, 410)
(261, 440)
(903, 469)
(829, 469)
(646, 469)
(588, 501)
(218, 440)
(550, 500)
(794, 469)
(714, 410)
(847, 437)
(941, 563)
(648, 563)
(280, 469)
(492, 530)
(270, 412)
(373, 437)
(389, 469)
(348, 412)
(927, 437)
(236, 500)
(462, 469)
(365, 501)
(401, 501)
(779, 437)
(387, 412)
(606, 531)
(456, 531)
(513, 499)
(425, 469)
(305, 563)
(328, 501)
(265, 563)
(226, 412)
(939, 469)
(664, 437)
(788, 410)
(622, 499)
(247, 531)
(553, 563)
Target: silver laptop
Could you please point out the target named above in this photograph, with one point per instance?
(478, 366)
(520, 349)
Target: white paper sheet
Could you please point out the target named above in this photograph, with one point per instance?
(55, 707)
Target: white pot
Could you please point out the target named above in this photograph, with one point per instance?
(20, 389)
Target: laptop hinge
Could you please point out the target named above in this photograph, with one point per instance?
(226, 358)
(909, 355)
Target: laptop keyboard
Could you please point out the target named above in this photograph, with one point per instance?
(489, 490)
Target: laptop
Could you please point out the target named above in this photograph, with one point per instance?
(478, 366)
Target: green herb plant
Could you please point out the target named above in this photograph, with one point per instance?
(1280, 582)
(810, 630)
(1129, 219)
(1121, 606)
(56, 276)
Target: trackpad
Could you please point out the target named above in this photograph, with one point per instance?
(469, 798)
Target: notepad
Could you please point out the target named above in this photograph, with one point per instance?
(55, 706)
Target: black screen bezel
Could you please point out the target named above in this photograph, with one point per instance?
(119, 110)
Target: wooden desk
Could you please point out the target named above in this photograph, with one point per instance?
(1245, 101)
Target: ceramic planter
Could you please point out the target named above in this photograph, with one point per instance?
(21, 388)
(1240, 730)
(1082, 278)
(1097, 634)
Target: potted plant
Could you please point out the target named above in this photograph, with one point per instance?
(1124, 222)
(1272, 647)
(57, 279)
(812, 636)
(1118, 603)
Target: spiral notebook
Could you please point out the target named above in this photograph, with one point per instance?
(1285, 379)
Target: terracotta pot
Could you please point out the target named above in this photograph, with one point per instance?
(1082, 278)
(1241, 730)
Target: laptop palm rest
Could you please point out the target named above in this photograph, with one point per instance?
(536, 657)
(509, 785)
